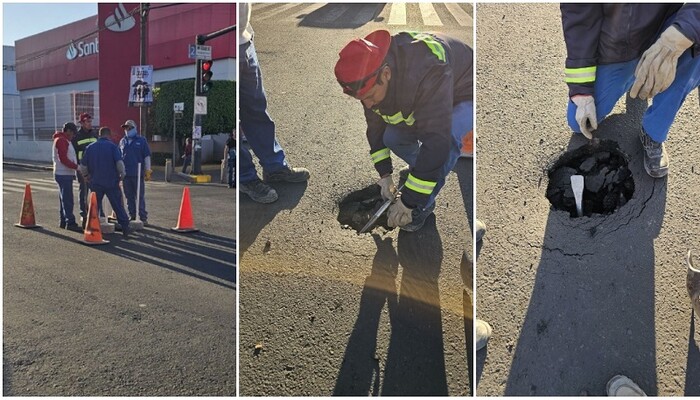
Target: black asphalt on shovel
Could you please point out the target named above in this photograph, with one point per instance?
(381, 211)
(577, 187)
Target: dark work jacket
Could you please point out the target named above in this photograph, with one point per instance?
(422, 91)
(82, 140)
(599, 34)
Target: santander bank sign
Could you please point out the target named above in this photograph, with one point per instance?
(119, 21)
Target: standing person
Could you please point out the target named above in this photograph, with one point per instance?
(230, 155)
(258, 126)
(187, 157)
(103, 167)
(609, 45)
(135, 151)
(85, 137)
(65, 163)
(417, 92)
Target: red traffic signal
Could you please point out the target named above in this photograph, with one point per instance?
(206, 74)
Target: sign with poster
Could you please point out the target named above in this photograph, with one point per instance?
(141, 89)
(197, 133)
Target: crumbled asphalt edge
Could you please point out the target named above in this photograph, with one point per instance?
(356, 208)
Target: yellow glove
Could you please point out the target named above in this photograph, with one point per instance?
(148, 175)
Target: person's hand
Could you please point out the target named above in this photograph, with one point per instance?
(399, 214)
(121, 176)
(388, 187)
(657, 67)
(148, 175)
(585, 114)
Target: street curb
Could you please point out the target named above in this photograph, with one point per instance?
(29, 166)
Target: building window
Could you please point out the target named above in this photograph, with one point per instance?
(39, 109)
(84, 102)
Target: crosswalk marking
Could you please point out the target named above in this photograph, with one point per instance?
(430, 17)
(463, 18)
(13, 185)
(398, 14)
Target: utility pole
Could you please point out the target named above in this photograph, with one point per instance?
(144, 8)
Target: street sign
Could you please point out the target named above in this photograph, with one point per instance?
(141, 86)
(178, 107)
(199, 52)
(200, 105)
(197, 134)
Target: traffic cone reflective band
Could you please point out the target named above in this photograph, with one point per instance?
(185, 222)
(468, 145)
(26, 217)
(93, 234)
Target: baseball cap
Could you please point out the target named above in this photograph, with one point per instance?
(361, 61)
(84, 116)
(129, 122)
(69, 126)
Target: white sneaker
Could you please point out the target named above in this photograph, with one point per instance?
(621, 385)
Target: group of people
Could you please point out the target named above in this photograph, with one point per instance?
(100, 164)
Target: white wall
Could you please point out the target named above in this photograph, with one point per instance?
(26, 150)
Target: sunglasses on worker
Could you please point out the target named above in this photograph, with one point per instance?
(351, 88)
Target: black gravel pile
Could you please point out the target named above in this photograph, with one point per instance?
(358, 207)
(608, 182)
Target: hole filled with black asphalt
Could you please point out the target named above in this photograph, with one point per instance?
(357, 208)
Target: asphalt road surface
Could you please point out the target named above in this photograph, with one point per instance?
(152, 315)
(323, 310)
(573, 302)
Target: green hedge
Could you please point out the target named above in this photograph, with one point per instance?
(221, 108)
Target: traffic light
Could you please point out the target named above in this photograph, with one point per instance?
(206, 74)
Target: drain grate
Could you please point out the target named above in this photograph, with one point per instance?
(608, 182)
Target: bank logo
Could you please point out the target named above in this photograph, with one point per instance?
(72, 52)
(120, 21)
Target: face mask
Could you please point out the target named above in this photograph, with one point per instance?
(131, 133)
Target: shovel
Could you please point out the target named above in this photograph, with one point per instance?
(577, 187)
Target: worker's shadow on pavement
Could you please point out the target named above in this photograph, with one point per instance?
(591, 312)
(341, 16)
(692, 369)
(415, 362)
(255, 216)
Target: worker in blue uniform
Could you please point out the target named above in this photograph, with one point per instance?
(135, 151)
(416, 89)
(103, 167)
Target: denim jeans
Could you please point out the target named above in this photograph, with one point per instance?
(402, 142)
(231, 167)
(65, 198)
(256, 123)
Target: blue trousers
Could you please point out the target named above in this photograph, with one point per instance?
(256, 123)
(231, 166)
(403, 142)
(614, 80)
(65, 199)
(83, 193)
(130, 187)
(114, 196)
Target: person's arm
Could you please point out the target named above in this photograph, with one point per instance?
(433, 116)
(146, 155)
(582, 25)
(62, 148)
(687, 21)
(119, 162)
(379, 153)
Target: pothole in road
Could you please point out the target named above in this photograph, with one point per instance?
(608, 182)
(358, 207)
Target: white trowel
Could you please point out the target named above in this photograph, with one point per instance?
(577, 187)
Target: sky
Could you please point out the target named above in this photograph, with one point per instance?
(20, 20)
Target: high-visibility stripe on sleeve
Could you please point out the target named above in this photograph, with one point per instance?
(80, 155)
(84, 141)
(397, 118)
(435, 47)
(419, 185)
(580, 75)
(380, 155)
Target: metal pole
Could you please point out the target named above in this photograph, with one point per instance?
(142, 60)
(55, 116)
(174, 144)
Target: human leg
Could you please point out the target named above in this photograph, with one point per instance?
(129, 184)
(114, 196)
(143, 214)
(83, 193)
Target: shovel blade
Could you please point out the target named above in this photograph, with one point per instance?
(577, 187)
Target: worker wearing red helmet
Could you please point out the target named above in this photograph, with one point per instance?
(417, 92)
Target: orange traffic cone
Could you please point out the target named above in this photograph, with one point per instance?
(26, 218)
(185, 222)
(93, 234)
(468, 145)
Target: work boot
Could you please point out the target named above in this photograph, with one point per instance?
(125, 232)
(655, 157)
(259, 191)
(287, 174)
(480, 230)
(693, 281)
(621, 385)
(74, 227)
(418, 218)
(483, 333)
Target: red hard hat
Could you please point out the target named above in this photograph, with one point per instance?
(84, 116)
(360, 60)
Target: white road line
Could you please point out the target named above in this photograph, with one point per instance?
(430, 17)
(34, 187)
(7, 190)
(462, 17)
(398, 14)
(274, 11)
